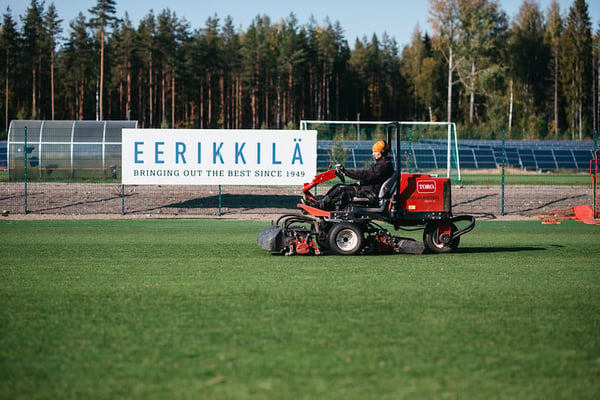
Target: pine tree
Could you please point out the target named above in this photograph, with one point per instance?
(412, 64)
(231, 70)
(78, 70)
(146, 78)
(103, 18)
(124, 44)
(52, 25)
(9, 44)
(33, 33)
(553, 33)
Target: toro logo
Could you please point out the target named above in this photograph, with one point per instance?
(426, 187)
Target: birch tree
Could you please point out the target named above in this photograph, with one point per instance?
(576, 71)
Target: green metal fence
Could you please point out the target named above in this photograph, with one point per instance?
(492, 193)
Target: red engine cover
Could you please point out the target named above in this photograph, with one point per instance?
(424, 193)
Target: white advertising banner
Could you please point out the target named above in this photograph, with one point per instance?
(218, 157)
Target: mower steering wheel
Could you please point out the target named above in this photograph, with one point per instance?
(340, 175)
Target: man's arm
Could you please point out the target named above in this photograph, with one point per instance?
(379, 172)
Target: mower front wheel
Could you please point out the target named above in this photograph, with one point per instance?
(345, 239)
(438, 237)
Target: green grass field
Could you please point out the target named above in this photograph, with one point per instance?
(193, 309)
(561, 179)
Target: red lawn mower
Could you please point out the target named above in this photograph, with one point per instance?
(405, 201)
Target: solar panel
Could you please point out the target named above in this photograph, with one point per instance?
(544, 159)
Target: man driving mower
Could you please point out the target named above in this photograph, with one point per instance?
(370, 180)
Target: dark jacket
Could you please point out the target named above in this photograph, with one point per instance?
(371, 179)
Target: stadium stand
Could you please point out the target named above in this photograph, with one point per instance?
(548, 155)
(528, 155)
(3, 155)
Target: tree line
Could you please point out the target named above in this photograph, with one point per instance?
(536, 75)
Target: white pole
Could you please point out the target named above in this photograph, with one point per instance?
(448, 163)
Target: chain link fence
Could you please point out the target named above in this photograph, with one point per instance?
(486, 193)
(484, 201)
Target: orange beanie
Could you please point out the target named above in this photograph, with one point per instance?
(379, 146)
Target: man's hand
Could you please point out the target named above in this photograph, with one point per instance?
(339, 168)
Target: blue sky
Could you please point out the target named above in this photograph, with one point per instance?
(357, 18)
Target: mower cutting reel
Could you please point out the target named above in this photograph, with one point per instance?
(405, 201)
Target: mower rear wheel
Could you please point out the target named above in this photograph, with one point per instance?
(345, 239)
(438, 239)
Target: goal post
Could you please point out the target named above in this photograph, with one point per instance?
(427, 147)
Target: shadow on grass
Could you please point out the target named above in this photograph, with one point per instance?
(245, 201)
(474, 250)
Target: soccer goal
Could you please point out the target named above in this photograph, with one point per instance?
(427, 147)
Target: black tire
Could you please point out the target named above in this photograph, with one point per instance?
(345, 239)
(439, 243)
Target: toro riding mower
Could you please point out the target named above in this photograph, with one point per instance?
(406, 201)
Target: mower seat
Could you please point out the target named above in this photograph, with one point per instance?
(385, 194)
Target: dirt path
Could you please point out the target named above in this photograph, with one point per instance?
(63, 200)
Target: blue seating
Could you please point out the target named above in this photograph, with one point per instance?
(432, 154)
(582, 158)
(425, 158)
(467, 158)
(545, 159)
(485, 158)
(565, 159)
(527, 159)
(3, 155)
(512, 157)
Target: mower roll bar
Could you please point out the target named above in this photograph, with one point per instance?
(393, 132)
(394, 127)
